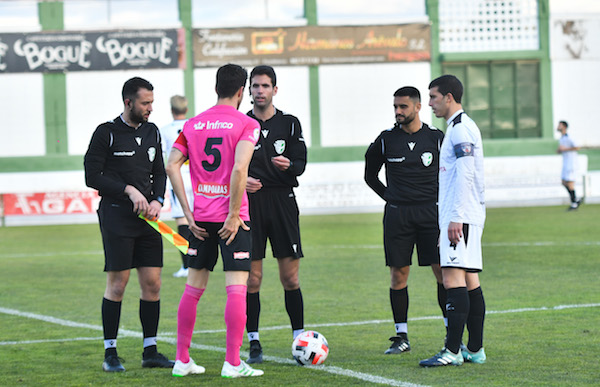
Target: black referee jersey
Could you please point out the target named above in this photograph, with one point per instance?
(279, 135)
(119, 155)
(411, 165)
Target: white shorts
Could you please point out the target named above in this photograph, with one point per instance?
(176, 210)
(568, 173)
(467, 253)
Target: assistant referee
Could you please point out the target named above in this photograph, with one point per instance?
(124, 163)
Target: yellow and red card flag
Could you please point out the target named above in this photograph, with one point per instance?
(177, 240)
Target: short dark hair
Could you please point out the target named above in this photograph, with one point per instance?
(230, 78)
(448, 84)
(410, 92)
(264, 70)
(564, 123)
(131, 87)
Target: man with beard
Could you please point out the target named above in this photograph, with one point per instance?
(124, 163)
(410, 152)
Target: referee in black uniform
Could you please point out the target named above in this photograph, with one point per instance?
(279, 158)
(410, 152)
(124, 163)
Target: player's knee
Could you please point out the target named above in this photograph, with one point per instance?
(399, 278)
(291, 282)
(254, 281)
(115, 292)
(151, 289)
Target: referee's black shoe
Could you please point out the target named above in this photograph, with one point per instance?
(156, 360)
(256, 355)
(112, 363)
(400, 344)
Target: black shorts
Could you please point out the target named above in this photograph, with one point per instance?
(236, 256)
(405, 226)
(274, 213)
(129, 242)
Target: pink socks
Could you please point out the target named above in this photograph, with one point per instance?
(186, 319)
(235, 320)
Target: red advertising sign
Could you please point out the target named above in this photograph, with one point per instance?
(55, 203)
(51, 203)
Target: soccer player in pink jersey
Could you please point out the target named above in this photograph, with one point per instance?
(219, 144)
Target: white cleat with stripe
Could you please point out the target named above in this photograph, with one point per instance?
(444, 358)
(241, 371)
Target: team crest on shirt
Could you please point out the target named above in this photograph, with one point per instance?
(279, 146)
(151, 153)
(427, 158)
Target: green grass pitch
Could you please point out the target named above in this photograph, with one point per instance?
(541, 281)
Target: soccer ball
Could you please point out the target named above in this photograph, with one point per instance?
(310, 348)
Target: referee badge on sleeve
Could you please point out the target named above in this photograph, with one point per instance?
(427, 158)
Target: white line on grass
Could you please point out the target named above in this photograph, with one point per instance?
(422, 318)
(50, 341)
(125, 332)
(330, 369)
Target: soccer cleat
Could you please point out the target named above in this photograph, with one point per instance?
(444, 358)
(182, 272)
(400, 344)
(112, 363)
(256, 356)
(157, 360)
(182, 369)
(241, 371)
(474, 357)
(573, 207)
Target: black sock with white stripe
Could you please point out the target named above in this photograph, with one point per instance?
(111, 314)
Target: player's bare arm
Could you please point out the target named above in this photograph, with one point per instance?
(237, 186)
(176, 160)
(562, 149)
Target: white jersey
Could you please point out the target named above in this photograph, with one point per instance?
(169, 134)
(569, 158)
(461, 194)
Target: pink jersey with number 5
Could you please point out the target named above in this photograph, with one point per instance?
(209, 141)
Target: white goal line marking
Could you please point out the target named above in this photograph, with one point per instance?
(126, 332)
(330, 369)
